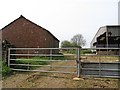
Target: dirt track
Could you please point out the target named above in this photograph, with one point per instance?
(55, 80)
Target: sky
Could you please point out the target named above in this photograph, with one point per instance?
(63, 18)
(119, 13)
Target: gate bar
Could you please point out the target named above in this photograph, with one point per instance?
(78, 63)
(44, 71)
(44, 65)
(43, 60)
(9, 57)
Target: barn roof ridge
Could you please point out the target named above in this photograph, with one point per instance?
(21, 16)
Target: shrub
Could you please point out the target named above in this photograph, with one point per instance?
(86, 51)
(5, 69)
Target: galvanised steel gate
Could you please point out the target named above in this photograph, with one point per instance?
(104, 63)
(44, 59)
(102, 69)
(67, 60)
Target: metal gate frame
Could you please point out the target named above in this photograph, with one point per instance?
(50, 54)
(101, 69)
(80, 70)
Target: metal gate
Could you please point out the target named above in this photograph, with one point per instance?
(104, 64)
(44, 59)
(67, 60)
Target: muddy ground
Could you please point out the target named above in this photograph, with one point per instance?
(45, 80)
(56, 80)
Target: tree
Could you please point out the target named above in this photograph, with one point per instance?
(65, 44)
(78, 40)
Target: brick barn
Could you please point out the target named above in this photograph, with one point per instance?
(23, 33)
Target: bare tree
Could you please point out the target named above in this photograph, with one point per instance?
(78, 40)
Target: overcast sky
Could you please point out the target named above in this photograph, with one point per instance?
(63, 18)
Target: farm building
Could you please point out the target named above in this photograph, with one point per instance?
(107, 37)
(23, 33)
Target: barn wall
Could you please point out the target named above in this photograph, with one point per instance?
(23, 33)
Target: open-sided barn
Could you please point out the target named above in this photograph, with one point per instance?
(107, 37)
